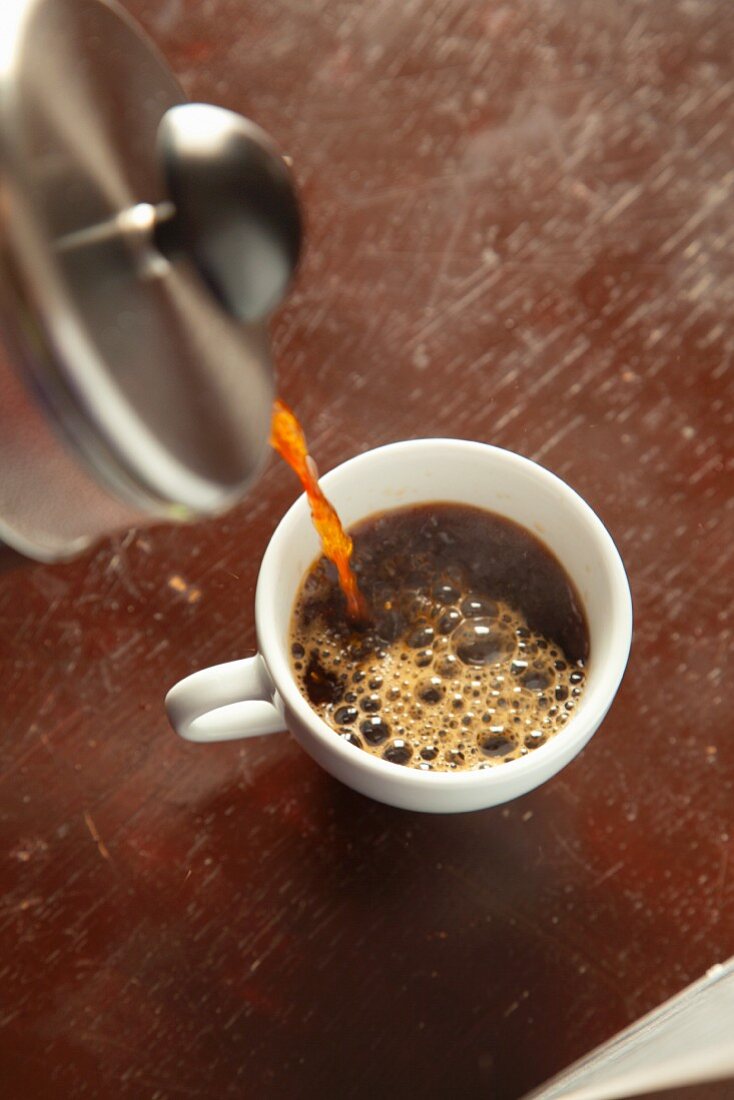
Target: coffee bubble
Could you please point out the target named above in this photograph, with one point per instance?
(371, 703)
(448, 665)
(431, 690)
(445, 593)
(449, 620)
(346, 714)
(482, 641)
(537, 678)
(475, 608)
(421, 636)
(496, 743)
(389, 626)
(375, 730)
(398, 752)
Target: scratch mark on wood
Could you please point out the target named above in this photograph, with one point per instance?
(561, 840)
(95, 836)
(621, 204)
(609, 873)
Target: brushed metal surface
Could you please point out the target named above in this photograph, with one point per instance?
(155, 396)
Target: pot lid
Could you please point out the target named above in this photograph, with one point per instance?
(124, 335)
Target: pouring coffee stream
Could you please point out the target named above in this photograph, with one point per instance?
(288, 439)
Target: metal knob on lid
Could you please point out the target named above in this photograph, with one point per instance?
(234, 209)
(144, 241)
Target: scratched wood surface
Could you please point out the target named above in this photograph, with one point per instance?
(520, 230)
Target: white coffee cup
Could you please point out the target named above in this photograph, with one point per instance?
(259, 694)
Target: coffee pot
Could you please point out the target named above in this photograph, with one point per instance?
(144, 241)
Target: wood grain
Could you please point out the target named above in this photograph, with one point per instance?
(520, 230)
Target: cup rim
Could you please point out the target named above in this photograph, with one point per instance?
(561, 748)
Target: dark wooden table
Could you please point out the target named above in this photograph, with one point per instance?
(520, 230)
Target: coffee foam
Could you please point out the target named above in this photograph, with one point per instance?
(466, 684)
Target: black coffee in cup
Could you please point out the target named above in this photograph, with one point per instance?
(476, 650)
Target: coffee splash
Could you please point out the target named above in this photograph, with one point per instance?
(288, 439)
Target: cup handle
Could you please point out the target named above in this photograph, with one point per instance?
(225, 702)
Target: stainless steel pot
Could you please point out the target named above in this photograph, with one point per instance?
(143, 243)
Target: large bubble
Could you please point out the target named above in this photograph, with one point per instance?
(483, 642)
